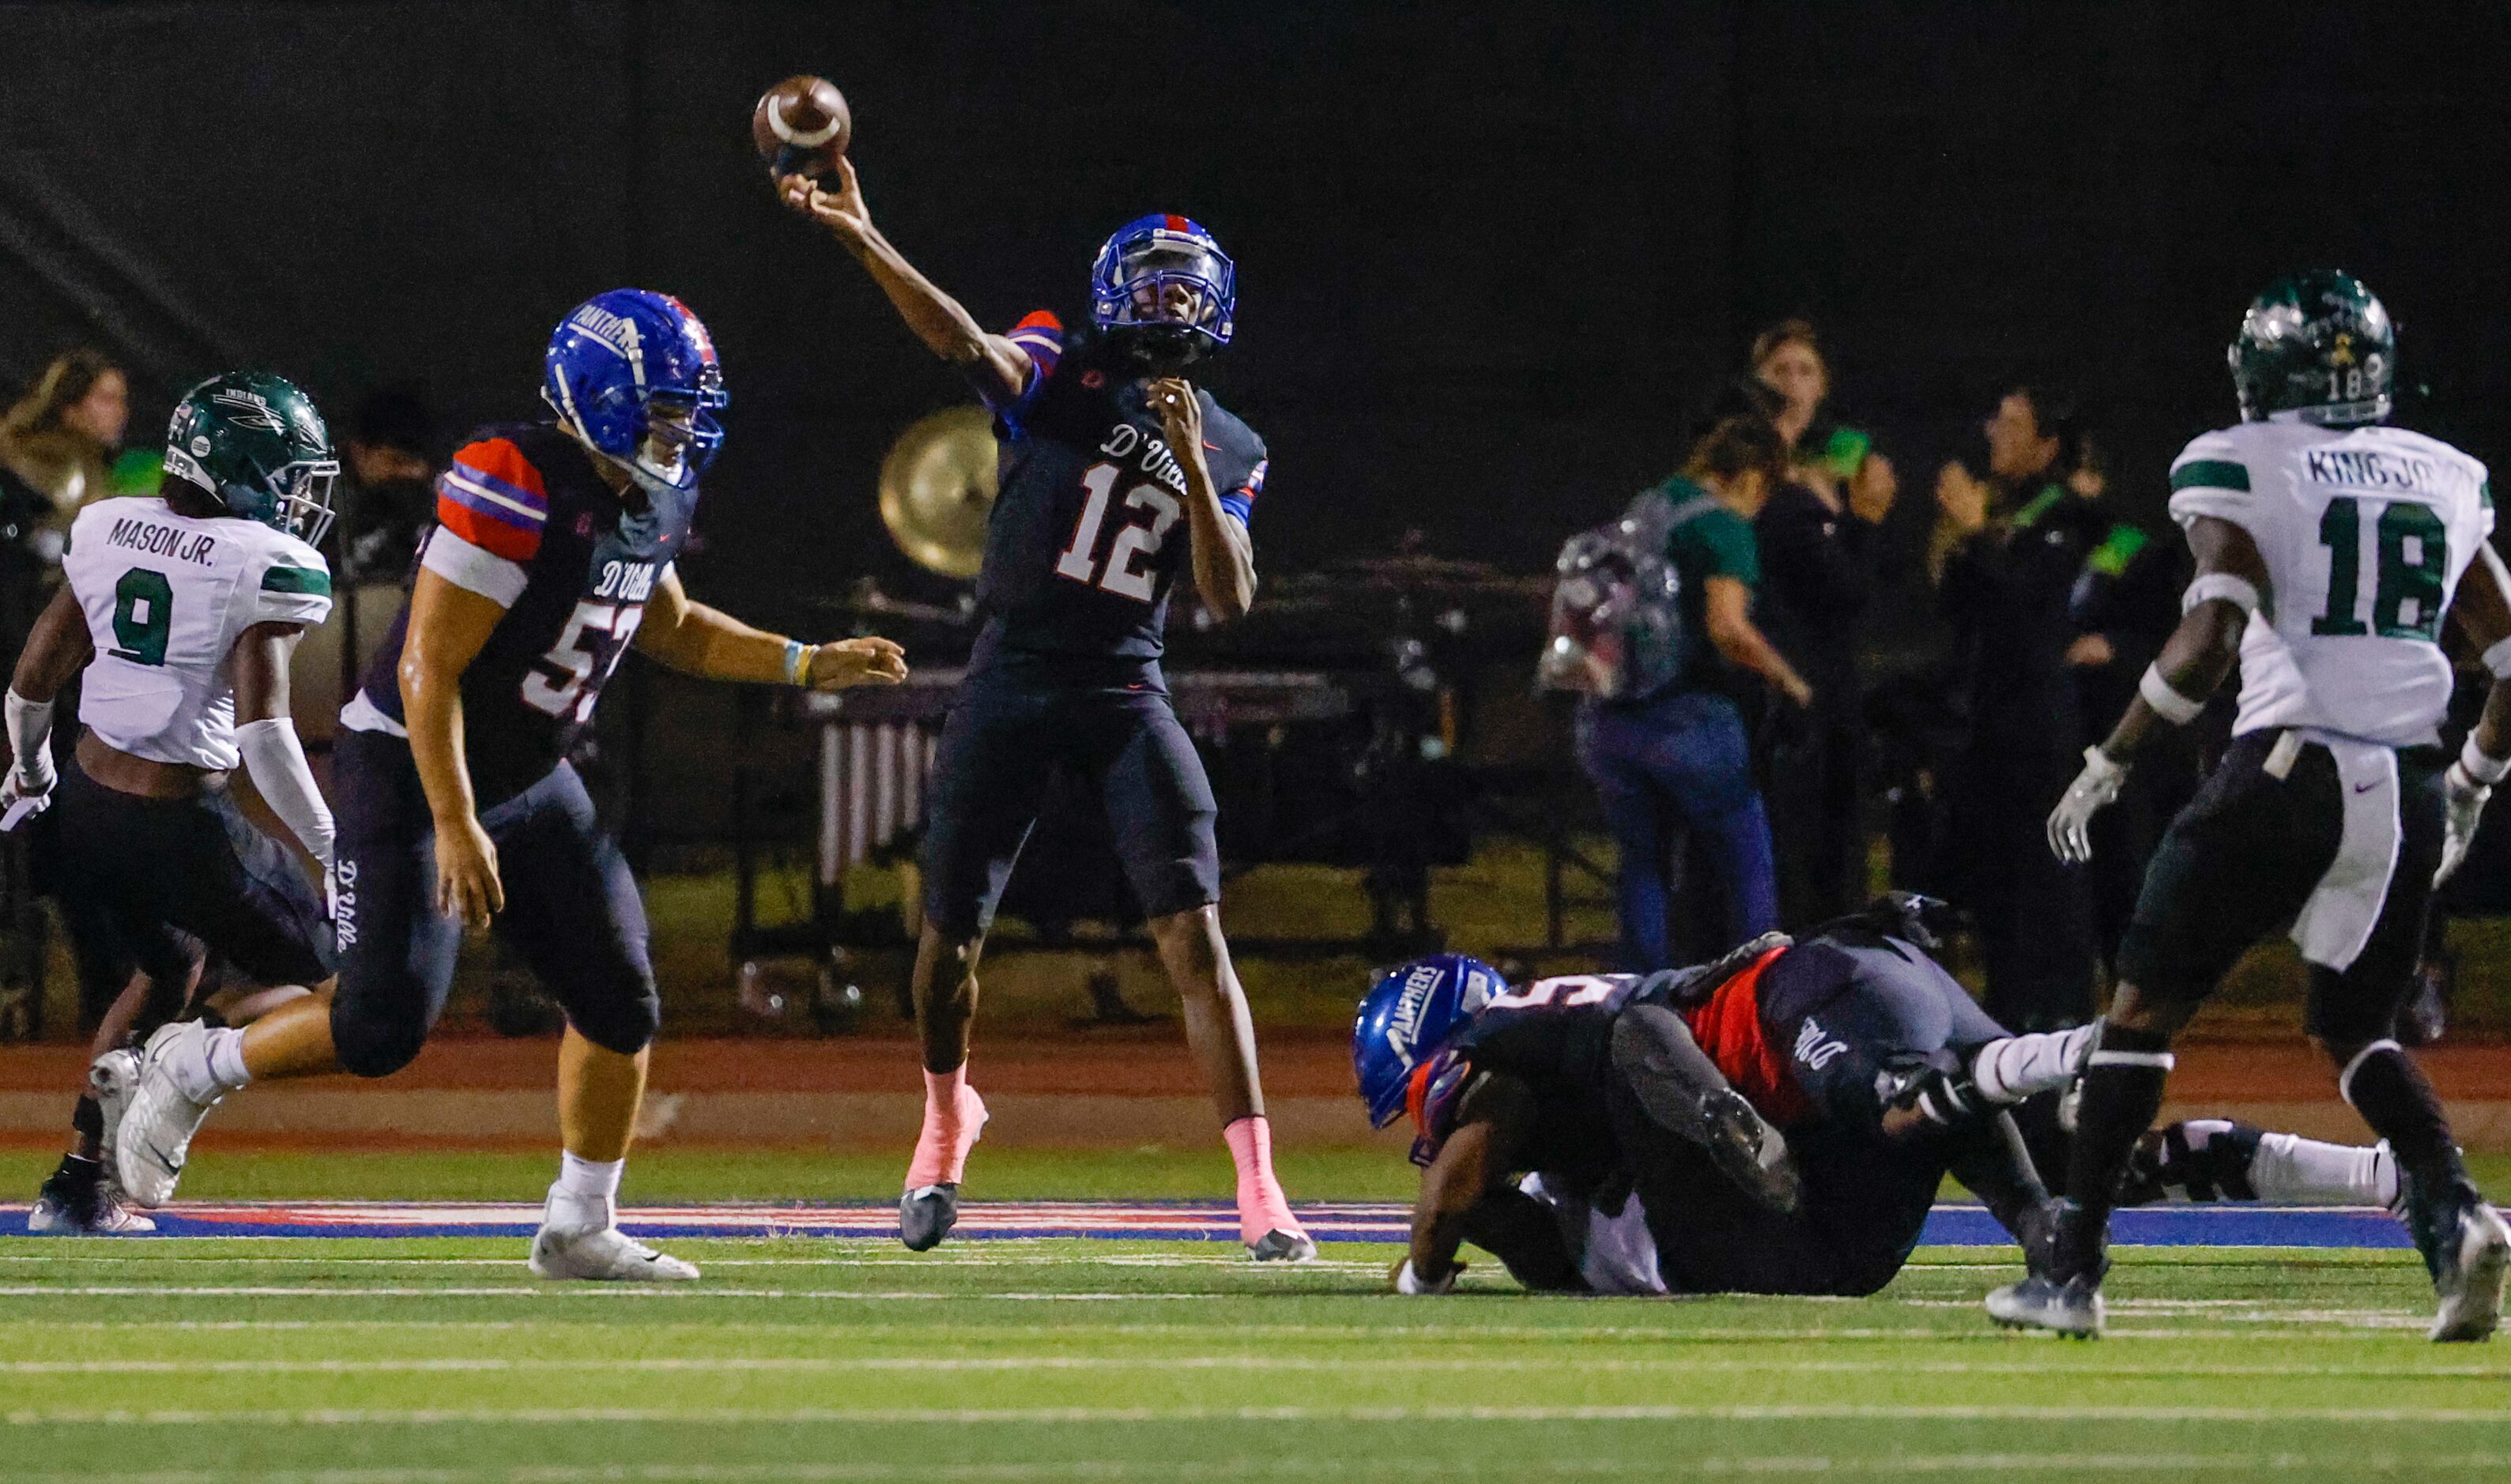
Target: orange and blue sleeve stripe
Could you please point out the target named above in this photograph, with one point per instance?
(1041, 335)
(492, 497)
(1240, 502)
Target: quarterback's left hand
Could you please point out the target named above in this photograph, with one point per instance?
(2094, 790)
(18, 802)
(1181, 413)
(2464, 801)
(857, 662)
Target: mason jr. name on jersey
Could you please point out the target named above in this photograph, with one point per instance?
(2366, 532)
(165, 596)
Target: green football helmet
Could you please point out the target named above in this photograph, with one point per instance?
(2315, 347)
(254, 442)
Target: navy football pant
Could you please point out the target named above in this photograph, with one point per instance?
(1005, 737)
(572, 911)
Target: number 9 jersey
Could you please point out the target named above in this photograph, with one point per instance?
(525, 520)
(2366, 532)
(1090, 528)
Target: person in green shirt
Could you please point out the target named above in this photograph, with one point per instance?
(1677, 760)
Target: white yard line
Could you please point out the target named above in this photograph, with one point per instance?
(718, 1416)
(1586, 1365)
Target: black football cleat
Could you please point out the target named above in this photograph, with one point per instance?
(2467, 1250)
(78, 1200)
(1752, 1154)
(2073, 1308)
(1280, 1246)
(926, 1215)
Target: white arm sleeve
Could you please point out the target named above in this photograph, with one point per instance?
(275, 760)
(30, 730)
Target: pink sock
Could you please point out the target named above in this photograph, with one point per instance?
(953, 1117)
(1261, 1205)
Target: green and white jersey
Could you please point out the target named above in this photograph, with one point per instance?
(165, 597)
(2366, 532)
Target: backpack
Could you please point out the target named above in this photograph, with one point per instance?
(1617, 630)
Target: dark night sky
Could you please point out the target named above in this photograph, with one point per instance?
(1489, 253)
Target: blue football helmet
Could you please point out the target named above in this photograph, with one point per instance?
(633, 375)
(1405, 1016)
(1165, 277)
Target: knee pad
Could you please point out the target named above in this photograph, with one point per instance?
(622, 1018)
(370, 1044)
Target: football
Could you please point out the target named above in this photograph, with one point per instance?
(802, 126)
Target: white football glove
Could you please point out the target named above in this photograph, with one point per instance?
(2094, 790)
(21, 798)
(2464, 801)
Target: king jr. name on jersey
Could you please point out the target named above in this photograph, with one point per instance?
(165, 596)
(1089, 531)
(2366, 532)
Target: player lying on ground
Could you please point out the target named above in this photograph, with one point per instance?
(553, 553)
(179, 613)
(1119, 475)
(1783, 1117)
(2329, 548)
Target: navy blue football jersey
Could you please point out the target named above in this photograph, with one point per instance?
(1088, 530)
(523, 517)
(1555, 1036)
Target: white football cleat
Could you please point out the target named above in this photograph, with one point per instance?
(2473, 1276)
(580, 1239)
(155, 1136)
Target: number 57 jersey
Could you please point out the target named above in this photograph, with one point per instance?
(2366, 532)
(1090, 528)
(525, 520)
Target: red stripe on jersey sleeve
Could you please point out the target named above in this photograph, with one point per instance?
(492, 497)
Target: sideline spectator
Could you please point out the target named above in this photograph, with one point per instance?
(60, 439)
(391, 499)
(1679, 759)
(2012, 552)
(1819, 546)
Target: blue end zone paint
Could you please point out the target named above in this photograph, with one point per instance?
(1951, 1226)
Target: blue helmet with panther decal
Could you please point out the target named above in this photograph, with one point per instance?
(1162, 279)
(1405, 1017)
(633, 375)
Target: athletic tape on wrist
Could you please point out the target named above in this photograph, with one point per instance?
(2220, 587)
(2168, 703)
(2496, 659)
(2482, 765)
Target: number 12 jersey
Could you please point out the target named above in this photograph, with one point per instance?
(2366, 532)
(525, 520)
(1089, 529)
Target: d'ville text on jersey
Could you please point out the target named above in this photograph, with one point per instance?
(2361, 469)
(161, 540)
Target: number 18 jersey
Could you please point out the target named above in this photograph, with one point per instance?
(2366, 532)
(524, 519)
(165, 596)
(1089, 530)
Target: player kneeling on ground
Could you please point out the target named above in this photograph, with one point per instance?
(179, 613)
(553, 553)
(1776, 1121)
(2329, 547)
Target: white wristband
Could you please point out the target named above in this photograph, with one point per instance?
(2496, 659)
(2220, 587)
(2481, 765)
(30, 730)
(1411, 1287)
(2168, 703)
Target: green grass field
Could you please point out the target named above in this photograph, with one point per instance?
(440, 1361)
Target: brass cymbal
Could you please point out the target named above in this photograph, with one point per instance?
(937, 487)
